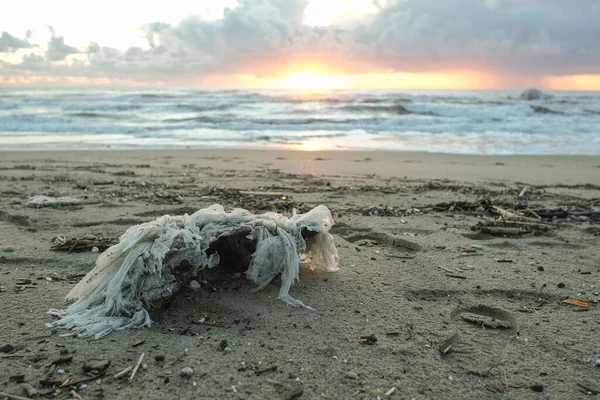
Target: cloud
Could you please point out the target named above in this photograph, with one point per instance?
(57, 49)
(260, 37)
(534, 36)
(9, 43)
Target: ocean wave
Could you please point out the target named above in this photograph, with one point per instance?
(265, 121)
(545, 110)
(154, 96)
(249, 117)
(393, 109)
(204, 107)
(201, 119)
(94, 115)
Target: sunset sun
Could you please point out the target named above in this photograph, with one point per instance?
(312, 81)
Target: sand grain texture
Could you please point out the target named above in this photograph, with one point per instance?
(411, 300)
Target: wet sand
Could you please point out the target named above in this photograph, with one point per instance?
(469, 315)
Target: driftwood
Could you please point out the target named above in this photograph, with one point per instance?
(83, 243)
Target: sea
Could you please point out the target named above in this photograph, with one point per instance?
(458, 122)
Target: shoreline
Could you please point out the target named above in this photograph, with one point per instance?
(534, 169)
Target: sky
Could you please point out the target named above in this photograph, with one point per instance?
(449, 44)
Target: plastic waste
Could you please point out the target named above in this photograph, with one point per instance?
(152, 262)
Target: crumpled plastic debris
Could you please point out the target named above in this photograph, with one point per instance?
(152, 261)
(40, 201)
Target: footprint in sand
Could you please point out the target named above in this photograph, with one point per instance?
(353, 235)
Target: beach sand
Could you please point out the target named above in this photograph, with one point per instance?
(416, 303)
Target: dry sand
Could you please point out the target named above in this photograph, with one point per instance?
(548, 349)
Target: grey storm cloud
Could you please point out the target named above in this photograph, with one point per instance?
(533, 37)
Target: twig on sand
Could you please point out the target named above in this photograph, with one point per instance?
(137, 366)
(262, 371)
(76, 395)
(588, 390)
(122, 373)
(456, 276)
(12, 396)
(524, 191)
(179, 358)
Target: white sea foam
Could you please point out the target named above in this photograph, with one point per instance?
(483, 122)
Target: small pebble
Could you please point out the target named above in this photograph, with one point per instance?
(7, 348)
(352, 375)
(561, 285)
(195, 285)
(9, 249)
(227, 349)
(99, 366)
(60, 371)
(540, 268)
(159, 358)
(537, 387)
(95, 250)
(186, 372)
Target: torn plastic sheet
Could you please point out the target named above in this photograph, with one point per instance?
(152, 262)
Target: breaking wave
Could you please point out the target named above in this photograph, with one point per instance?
(487, 122)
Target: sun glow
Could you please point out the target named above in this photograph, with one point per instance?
(312, 81)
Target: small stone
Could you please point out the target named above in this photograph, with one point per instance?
(159, 358)
(7, 348)
(186, 372)
(195, 285)
(561, 285)
(371, 339)
(537, 387)
(99, 366)
(60, 371)
(227, 349)
(9, 249)
(352, 375)
(95, 250)
(294, 393)
(541, 269)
